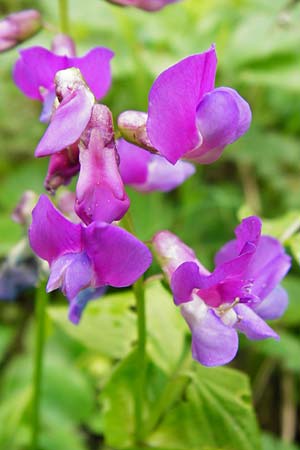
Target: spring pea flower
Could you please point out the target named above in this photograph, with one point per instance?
(239, 295)
(35, 70)
(82, 257)
(187, 116)
(146, 172)
(147, 5)
(17, 27)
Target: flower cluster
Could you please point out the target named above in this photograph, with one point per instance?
(188, 118)
(238, 295)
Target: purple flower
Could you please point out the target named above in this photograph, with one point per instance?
(81, 257)
(147, 5)
(35, 71)
(239, 294)
(100, 193)
(147, 172)
(18, 27)
(63, 165)
(187, 117)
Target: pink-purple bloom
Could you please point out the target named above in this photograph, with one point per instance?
(82, 257)
(146, 172)
(35, 71)
(147, 5)
(239, 295)
(17, 27)
(187, 116)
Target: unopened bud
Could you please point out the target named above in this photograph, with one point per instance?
(18, 27)
(63, 45)
(62, 167)
(132, 125)
(22, 212)
(68, 81)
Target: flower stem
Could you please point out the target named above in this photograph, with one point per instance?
(64, 16)
(139, 293)
(40, 315)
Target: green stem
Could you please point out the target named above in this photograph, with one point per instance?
(64, 16)
(40, 316)
(139, 292)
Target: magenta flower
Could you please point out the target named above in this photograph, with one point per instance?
(147, 5)
(81, 257)
(100, 192)
(17, 27)
(187, 117)
(147, 172)
(35, 70)
(62, 167)
(238, 295)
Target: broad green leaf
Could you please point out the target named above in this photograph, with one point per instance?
(215, 414)
(107, 325)
(165, 327)
(118, 400)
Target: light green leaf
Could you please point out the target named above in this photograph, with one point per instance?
(165, 326)
(292, 315)
(216, 413)
(107, 325)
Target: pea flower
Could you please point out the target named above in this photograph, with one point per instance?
(147, 5)
(82, 257)
(147, 172)
(238, 295)
(187, 117)
(35, 71)
(80, 137)
(17, 27)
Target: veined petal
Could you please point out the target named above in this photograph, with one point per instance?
(95, 68)
(252, 325)
(100, 193)
(35, 69)
(68, 122)
(118, 258)
(274, 305)
(50, 234)
(173, 101)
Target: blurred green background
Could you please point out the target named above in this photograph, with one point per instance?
(258, 47)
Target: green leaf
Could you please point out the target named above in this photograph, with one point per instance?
(107, 325)
(216, 413)
(165, 326)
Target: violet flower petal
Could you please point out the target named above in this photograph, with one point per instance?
(78, 304)
(48, 106)
(35, 69)
(100, 193)
(95, 68)
(72, 272)
(173, 100)
(213, 343)
(67, 124)
(274, 305)
(222, 117)
(118, 257)
(146, 172)
(252, 325)
(50, 234)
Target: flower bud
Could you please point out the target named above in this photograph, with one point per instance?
(132, 125)
(22, 212)
(18, 27)
(146, 5)
(63, 45)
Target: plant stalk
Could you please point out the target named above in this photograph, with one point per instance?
(64, 16)
(40, 316)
